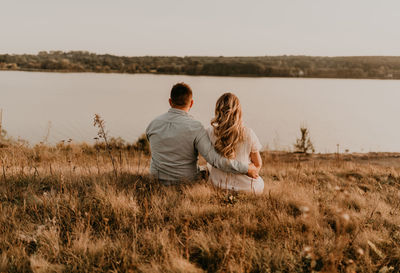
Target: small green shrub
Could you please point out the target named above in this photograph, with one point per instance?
(304, 144)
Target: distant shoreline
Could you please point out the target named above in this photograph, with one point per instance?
(368, 67)
(199, 75)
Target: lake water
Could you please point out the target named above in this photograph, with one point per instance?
(359, 115)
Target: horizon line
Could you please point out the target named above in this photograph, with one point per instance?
(213, 56)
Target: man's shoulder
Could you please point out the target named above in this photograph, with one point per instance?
(156, 120)
(163, 116)
(194, 122)
(187, 121)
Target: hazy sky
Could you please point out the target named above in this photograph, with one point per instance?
(202, 27)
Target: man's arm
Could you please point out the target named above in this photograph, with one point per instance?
(206, 149)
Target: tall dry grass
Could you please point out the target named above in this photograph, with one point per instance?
(64, 210)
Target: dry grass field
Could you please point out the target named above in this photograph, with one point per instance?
(64, 209)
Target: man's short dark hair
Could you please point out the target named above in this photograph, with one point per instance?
(181, 94)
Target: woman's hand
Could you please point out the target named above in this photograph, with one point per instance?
(253, 171)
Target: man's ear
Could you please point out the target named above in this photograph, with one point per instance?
(170, 103)
(191, 104)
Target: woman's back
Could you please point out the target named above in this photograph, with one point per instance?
(238, 182)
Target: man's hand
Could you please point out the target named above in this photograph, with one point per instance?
(252, 171)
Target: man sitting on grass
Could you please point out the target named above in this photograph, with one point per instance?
(176, 139)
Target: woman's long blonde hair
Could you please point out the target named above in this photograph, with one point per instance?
(228, 126)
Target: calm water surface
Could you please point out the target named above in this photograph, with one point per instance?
(360, 115)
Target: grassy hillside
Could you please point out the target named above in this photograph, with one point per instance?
(62, 209)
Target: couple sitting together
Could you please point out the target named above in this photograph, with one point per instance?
(231, 150)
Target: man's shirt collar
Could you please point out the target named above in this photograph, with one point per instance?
(178, 111)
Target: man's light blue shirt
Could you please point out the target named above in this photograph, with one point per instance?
(176, 139)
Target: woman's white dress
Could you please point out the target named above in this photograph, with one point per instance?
(238, 182)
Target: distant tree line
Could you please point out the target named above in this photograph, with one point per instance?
(266, 66)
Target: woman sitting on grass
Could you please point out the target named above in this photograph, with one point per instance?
(234, 141)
